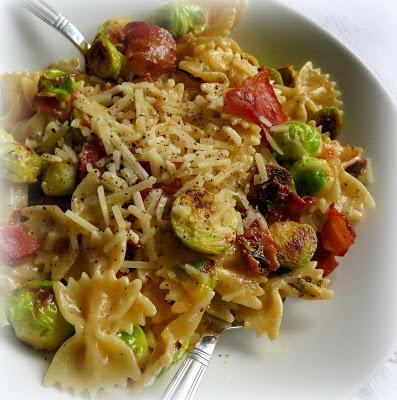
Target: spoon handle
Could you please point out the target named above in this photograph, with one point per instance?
(53, 18)
(188, 377)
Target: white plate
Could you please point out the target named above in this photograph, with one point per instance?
(327, 350)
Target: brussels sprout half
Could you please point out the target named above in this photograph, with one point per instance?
(104, 60)
(18, 163)
(195, 222)
(54, 82)
(59, 178)
(181, 17)
(297, 140)
(311, 175)
(137, 341)
(113, 29)
(5, 137)
(34, 315)
(295, 243)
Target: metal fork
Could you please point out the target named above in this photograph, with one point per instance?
(57, 21)
(188, 377)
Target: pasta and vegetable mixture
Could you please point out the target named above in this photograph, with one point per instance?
(176, 178)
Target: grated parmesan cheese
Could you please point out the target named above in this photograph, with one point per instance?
(261, 168)
(103, 205)
(81, 221)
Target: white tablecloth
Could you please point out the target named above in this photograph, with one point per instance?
(369, 28)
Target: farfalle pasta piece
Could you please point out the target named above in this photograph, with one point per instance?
(85, 201)
(237, 288)
(223, 15)
(306, 282)
(346, 192)
(312, 91)
(217, 60)
(19, 90)
(137, 315)
(100, 252)
(57, 234)
(95, 358)
(179, 330)
(186, 285)
(221, 309)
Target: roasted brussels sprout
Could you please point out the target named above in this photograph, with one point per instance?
(298, 140)
(59, 178)
(104, 60)
(34, 315)
(54, 82)
(5, 137)
(276, 76)
(18, 163)
(138, 343)
(181, 17)
(54, 97)
(311, 175)
(204, 222)
(295, 243)
(331, 120)
(288, 75)
(113, 30)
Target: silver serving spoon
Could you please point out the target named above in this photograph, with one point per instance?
(189, 375)
(57, 21)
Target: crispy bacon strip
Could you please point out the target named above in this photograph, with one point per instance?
(325, 259)
(337, 233)
(255, 101)
(275, 199)
(91, 153)
(16, 243)
(150, 50)
(258, 249)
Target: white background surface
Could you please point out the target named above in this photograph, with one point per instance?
(369, 28)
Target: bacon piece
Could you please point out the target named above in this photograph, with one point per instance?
(275, 199)
(91, 153)
(258, 248)
(53, 107)
(150, 50)
(295, 206)
(254, 99)
(337, 233)
(169, 187)
(16, 243)
(325, 259)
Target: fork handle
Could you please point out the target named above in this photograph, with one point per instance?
(188, 377)
(56, 20)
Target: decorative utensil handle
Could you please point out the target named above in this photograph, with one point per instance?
(53, 18)
(188, 377)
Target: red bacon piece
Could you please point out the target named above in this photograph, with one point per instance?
(91, 153)
(254, 99)
(150, 49)
(337, 233)
(16, 243)
(258, 249)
